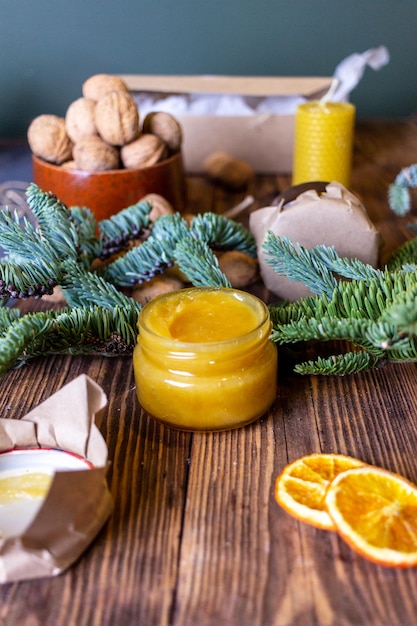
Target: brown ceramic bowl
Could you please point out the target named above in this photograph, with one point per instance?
(107, 193)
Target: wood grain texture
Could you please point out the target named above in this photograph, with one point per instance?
(196, 538)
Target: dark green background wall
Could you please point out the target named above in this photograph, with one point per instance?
(49, 47)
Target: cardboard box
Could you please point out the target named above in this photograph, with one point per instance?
(265, 140)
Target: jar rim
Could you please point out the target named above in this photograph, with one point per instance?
(179, 345)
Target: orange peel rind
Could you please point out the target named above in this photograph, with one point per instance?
(301, 487)
(375, 512)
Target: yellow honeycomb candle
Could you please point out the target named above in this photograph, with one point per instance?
(323, 142)
(204, 360)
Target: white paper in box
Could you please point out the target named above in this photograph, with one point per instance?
(247, 131)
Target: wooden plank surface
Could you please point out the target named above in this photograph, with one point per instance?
(196, 538)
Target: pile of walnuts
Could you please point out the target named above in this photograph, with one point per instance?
(101, 131)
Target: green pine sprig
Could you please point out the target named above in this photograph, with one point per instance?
(404, 256)
(54, 225)
(77, 331)
(60, 248)
(117, 231)
(81, 287)
(398, 192)
(374, 311)
(221, 233)
(319, 268)
(298, 264)
(7, 316)
(338, 365)
(90, 246)
(151, 258)
(158, 252)
(197, 261)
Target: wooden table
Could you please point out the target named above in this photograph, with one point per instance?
(196, 538)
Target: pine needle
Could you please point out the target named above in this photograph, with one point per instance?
(340, 365)
(199, 264)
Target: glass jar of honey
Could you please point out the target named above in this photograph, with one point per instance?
(204, 360)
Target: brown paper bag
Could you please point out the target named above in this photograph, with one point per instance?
(78, 502)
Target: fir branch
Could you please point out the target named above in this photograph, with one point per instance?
(170, 228)
(80, 286)
(352, 269)
(401, 312)
(152, 257)
(399, 199)
(18, 337)
(26, 243)
(90, 245)
(54, 222)
(404, 256)
(326, 329)
(221, 233)
(128, 224)
(27, 280)
(378, 315)
(405, 354)
(299, 264)
(199, 264)
(71, 234)
(285, 312)
(340, 365)
(317, 268)
(91, 330)
(398, 192)
(374, 311)
(7, 316)
(158, 252)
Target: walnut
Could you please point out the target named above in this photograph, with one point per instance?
(99, 85)
(160, 206)
(95, 155)
(79, 119)
(143, 152)
(226, 170)
(117, 118)
(239, 267)
(166, 127)
(69, 165)
(155, 287)
(48, 139)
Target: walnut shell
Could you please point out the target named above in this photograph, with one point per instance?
(48, 139)
(143, 152)
(160, 206)
(226, 170)
(117, 118)
(69, 165)
(239, 267)
(166, 127)
(155, 287)
(95, 155)
(79, 119)
(99, 85)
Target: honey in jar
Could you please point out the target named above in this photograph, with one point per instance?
(204, 360)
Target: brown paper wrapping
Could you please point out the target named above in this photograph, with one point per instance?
(78, 502)
(332, 216)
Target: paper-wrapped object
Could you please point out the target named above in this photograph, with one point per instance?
(249, 117)
(310, 215)
(78, 502)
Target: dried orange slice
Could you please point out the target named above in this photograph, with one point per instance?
(301, 487)
(375, 512)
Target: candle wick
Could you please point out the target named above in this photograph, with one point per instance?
(331, 91)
